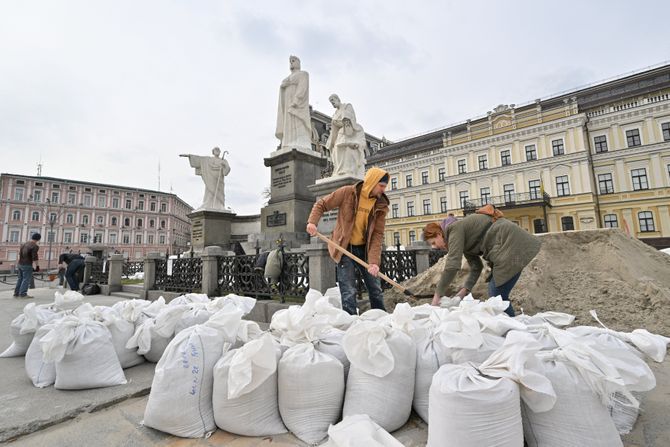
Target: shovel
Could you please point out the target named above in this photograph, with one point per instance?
(358, 260)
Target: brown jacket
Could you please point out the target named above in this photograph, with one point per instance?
(346, 199)
(28, 253)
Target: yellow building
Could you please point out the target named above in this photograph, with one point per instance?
(592, 158)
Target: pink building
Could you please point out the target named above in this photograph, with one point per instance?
(85, 217)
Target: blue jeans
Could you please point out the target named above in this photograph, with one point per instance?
(24, 279)
(346, 277)
(504, 291)
(72, 273)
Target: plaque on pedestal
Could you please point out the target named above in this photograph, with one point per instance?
(210, 228)
(322, 188)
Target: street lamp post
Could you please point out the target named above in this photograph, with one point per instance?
(52, 219)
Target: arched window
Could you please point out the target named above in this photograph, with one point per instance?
(139, 223)
(84, 219)
(126, 221)
(114, 221)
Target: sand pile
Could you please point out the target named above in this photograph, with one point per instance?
(626, 281)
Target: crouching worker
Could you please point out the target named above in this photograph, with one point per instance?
(75, 266)
(504, 245)
(360, 229)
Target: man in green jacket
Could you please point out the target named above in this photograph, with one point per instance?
(504, 245)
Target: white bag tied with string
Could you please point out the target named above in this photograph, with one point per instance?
(382, 373)
(557, 319)
(84, 355)
(244, 397)
(430, 355)
(311, 392)
(180, 402)
(330, 342)
(247, 331)
(359, 430)
(40, 372)
(190, 298)
(23, 327)
(472, 407)
(197, 313)
(148, 343)
(68, 300)
(582, 379)
(322, 305)
(230, 301)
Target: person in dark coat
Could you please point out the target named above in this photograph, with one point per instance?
(75, 266)
(27, 257)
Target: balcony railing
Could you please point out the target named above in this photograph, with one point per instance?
(521, 199)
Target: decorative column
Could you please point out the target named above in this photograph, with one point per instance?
(422, 253)
(115, 266)
(321, 267)
(150, 272)
(210, 269)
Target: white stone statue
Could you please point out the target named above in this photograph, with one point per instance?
(346, 141)
(294, 126)
(212, 170)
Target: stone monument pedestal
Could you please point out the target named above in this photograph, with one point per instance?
(291, 200)
(210, 228)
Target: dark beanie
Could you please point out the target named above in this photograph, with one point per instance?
(36, 237)
(384, 179)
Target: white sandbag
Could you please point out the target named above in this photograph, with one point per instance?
(137, 311)
(248, 331)
(430, 355)
(624, 411)
(180, 402)
(296, 325)
(40, 372)
(121, 331)
(359, 430)
(311, 392)
(373, 315)
(330, 342)
(196, 314)
(20, 342)
(83, 353)
(557, 319)
(244, 396)
(579, 417)
(471, 410)
(68, 300)
(190, 298)
(490, 343)
(381, 377)
(329, 306)
(232, 301)
(23, 327)
(148, 343)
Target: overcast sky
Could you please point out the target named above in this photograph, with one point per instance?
(105, 90)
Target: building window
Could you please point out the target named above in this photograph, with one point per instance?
(567, 223)
(408, 181)
(150, 239)
(112, 238)
(410, 209)
(51, 236)
(605, 184)
(412, 236)
(152, 223)
(88, 200)
(440, 174)
(126, 222)
(84, 219)
(102, 201)
(55, 196)
(426, 206)
(611, 221)
(394, 183)
(126, 239)
(505, 158)
(37, 196)
(161, 239)
(115, 202)
(14, 235)
(646, 219)
(639, 179)
(69, 218)
(424, 178)
(531, 152)
(67, 237)
(163, 224)
(164, 207)
(633, 137)
(100, 220)
(139, 223)
(35, 216)
(557, 147)
(71, 198)
(539, 226)
(508, 192)
(394, 211)
(83, 238)
(152, 207)
(534, 189)
(463, 197)
(666, 131)
(53, 217)
(140, 205)
(138, 238)
(483, 162)
(600, 144)
(129, 204)
(562, 186)
(443, 204)
(18, 194)
(396, 238)
(461, 167)
(97, 239)
(16, 215)
(485, 194)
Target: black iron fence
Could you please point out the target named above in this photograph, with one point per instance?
(397, 264)
(238, 275)
(434, 256)
(182, 275)
(98, 273)
(132, 267)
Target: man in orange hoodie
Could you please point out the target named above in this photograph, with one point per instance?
(360, 229)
